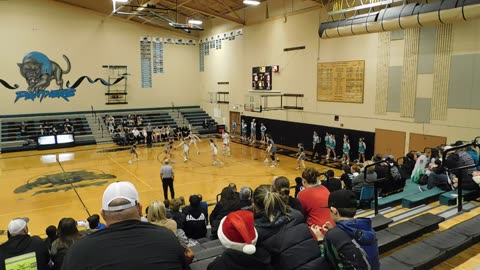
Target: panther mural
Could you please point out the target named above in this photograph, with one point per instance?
(39, 71)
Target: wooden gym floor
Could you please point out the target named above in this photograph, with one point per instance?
(50, 184)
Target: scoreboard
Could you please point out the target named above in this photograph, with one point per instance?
(262, 78)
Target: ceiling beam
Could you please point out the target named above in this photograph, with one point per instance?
(230, 9)
(210, 13)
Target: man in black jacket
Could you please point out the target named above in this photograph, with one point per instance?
(126, 243)
(20, 243)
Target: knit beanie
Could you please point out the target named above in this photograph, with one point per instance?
(236, 231)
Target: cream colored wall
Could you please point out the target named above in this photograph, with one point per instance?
(90, 40)
(263, 43)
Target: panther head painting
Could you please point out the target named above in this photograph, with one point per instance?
(39, 71)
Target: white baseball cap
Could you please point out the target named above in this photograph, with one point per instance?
(120, 190)
(17, 225)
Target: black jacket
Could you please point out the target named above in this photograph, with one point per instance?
(23, 244)
(235, 260)
(195, 224)
(289, 241)
(332, 184)
(220, 211)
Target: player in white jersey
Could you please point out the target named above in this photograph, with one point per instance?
(186, 149)
(253, 131)
(193, 140)
(226, 143)
(214, 148)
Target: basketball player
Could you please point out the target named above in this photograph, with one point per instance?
(226, 143)
(234, 128)
(301, 157)
(333, 144)
(327, 146)
(253, 131)
(167, 151)
(263, 130)
(133, 153)
(186, 149)
(272, 150)
(244, 130)
(193, 140)
(214, 148)
(346, 150)
(362, 147)
(316, 145)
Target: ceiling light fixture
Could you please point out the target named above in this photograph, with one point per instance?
(193, 21)
(251, 2)
(120, 1)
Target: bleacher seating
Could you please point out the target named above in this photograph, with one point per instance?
(436, 248)
(422, 197)
(155, 119)
(12, 141)
(197, 117)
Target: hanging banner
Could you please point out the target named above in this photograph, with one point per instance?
(158, 55)
(146, 62)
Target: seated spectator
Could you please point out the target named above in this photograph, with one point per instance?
(332, 183)
(157, 214)
(67, 126)
(23, 129)
(359, 181)
(314, 199)
(177, 216)
(298, 185)
(283, 233)
(245, 197)
(238, 235)
(281, 184)
(420, 168)
(67, 235)
(196, 216)
(51, 233)
(228, 203)
(438, 178)
(234, 188)
(94, 223)
(352, 244)
(20, 242)
(408, 163)
(474, 154)
(127, 243)
(347, 176)
(203, 203)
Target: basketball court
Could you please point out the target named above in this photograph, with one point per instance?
(48, 185)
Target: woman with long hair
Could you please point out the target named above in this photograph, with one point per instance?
(157, 214)
(229, 202)
(67, 235)
(281, 184)
(282, 231)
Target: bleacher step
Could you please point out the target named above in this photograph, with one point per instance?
(450, 198)
(422, 197)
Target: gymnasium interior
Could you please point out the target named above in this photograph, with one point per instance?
(400, 75)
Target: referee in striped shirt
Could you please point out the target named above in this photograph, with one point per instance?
(166, 174)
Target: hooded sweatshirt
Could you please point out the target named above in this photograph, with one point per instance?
(23, 244)
(352, 244)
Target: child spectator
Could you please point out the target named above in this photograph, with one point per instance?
(352, 244)
(51, 232)
(94, 222)
(238, 235)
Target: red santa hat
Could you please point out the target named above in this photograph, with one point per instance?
(237, 232)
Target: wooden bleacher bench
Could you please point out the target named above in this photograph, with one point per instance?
(435, 249)
(425, 197)
(450, 198)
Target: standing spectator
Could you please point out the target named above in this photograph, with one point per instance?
(228, 203)
(127, 243)
(332, 183)
(314, 199)
(352, 244)
(67, 235)
(20, 242)
(166, 174)
(238, 235)
(283, 233)
(196, 217)
(298, 185)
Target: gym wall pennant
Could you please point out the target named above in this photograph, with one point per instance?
(39, 71)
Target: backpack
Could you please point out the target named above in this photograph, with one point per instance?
(395, 172)
(423, 180)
